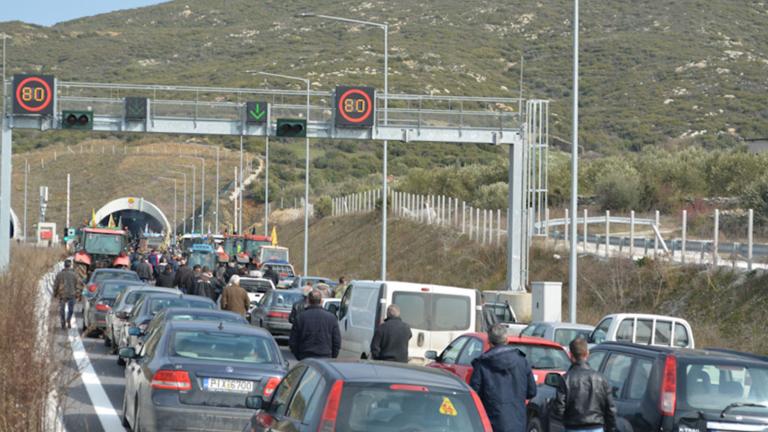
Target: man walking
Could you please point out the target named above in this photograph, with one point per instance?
(584, 401)
(144, 270)
(390, 339)
(315, 334)
(183, 274)
(235, 298)
(66, 289)
(503, 379)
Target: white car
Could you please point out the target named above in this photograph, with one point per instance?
(256, 287)
(643, 329)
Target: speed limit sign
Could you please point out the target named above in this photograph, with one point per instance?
(33, 94)
(354, 106)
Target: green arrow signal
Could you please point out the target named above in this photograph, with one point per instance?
(257, 113)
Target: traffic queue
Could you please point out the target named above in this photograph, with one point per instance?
(394, 356)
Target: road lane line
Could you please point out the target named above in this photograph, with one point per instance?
(108, 417)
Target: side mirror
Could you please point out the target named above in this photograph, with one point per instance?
(431, 355)
(254, 402)
(134, 331)
(555, 380)
(128, 353)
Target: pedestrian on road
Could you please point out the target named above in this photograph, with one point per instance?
(299, 307)
(204, 286)
(316, 331)
(144, 270)
(182, 277)
(390, 339)
(166, 278)
(234, 298)
(584, 401)
(324, 289)
(271, 274)
(66, 289)
(503, 379)
(338, 292)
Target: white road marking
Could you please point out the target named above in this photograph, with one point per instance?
(108, 417)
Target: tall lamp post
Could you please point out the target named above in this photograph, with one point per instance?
(193, 168)
(174, 205)
(306, 169)
(385, 28)
(184, 206)
(573, 256)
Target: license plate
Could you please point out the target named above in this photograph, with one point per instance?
(227, 385)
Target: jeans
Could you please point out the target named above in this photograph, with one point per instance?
(585, 430)
(69, 305)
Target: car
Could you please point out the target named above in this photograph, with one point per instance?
(560, 332)
(301, 281)
(436, 314)
(501, 313)
(100, 304)
(121, 311)
(643, 329)
(332, 305)
(543, 355)
(322, 395)
(151, 304)
(196, 375)
(671, 389)
(98, 276)
(283, 268)
(256, 287)
(188, 314)
(273, 310)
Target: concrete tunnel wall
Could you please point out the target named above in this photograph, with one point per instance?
(136, 213)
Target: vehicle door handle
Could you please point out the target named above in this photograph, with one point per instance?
(420, 339)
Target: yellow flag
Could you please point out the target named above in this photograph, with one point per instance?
(274, 236)
(93, 218)
(111, 223)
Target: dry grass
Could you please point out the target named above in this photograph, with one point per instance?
(28, 368)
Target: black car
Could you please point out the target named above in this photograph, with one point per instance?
(321, 395)
(101, 302)
(667, 389)
(197, 375)
(188, 314)
(94, 284)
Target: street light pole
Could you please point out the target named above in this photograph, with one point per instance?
(573, 256)
(384, 186)
(218, 189)
(193, 168)
(240, 195)
(184, 206)
(306, 169)
(174, 205)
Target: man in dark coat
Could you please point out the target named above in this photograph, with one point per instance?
(272, 274)
(503, 379)
(66, 289)
(584, 401)
(166, 278)
(182, 274)
(315, 334)
(390, 339)
(144, 271)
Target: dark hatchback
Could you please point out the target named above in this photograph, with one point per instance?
(101, 302)
(197, 375)
(319, 395)
(273, 310)
(667, 389)
(150, 305)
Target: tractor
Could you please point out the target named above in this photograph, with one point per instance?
(101, 248)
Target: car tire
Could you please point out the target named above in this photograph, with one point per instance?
(534, 425)
(120, 361)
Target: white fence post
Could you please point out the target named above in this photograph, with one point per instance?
(567, 225)
(477, 225)
(715, 239)
(632, 235)
(546, 223)
(607, 232)
(684, 234)
(584, 243)
(656, 238)
(463, 216)
(498, 226)
(750, 225)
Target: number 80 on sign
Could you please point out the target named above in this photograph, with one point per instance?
(354, 106)
(33, 94)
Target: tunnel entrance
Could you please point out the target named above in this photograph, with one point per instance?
(136, 214)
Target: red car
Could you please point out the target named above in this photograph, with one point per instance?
(545, 356)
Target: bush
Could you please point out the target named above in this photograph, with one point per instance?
(618, 190)
(323, 207)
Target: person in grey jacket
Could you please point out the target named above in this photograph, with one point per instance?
(66, 289)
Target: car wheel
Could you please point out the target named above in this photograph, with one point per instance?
(534, 425)
(120, 361)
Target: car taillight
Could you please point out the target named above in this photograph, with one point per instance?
(171, 380)
(668, 398)
(271, 385)
(408, 387)
(264, 420)
(101, 307)
(331, 410)
(92, 287)
(481, 411)
(277, 315)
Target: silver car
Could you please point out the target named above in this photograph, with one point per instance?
(121, 310)
(559, 332)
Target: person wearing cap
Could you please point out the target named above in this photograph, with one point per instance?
(235, 298)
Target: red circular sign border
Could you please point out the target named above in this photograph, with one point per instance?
(39, 80)
(367, 99)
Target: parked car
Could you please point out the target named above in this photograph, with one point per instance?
(668, 389)
(643, 329)
(501, 313)
(256, 287)
(437, 315)
(283, 268)
(188, 314)
(301, 281)
(560, 332)
(273, 311)
(332, 305)
(196, 375)
(543, 355)
(94, 282)
(121, 311)
(100, 304)
(319, 395)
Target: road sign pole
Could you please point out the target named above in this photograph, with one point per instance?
(5, 194)
(306, 193)
(68, 197)
(240, 194)
(218, 190)
(573, 255)
(202, 198)
(386, 157)
(266, 176)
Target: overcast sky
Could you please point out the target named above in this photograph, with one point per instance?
(49, 12)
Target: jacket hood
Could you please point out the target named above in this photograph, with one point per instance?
(502, 358)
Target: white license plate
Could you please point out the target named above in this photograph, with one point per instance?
(227, 385)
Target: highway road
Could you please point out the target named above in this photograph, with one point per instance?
(94, 397)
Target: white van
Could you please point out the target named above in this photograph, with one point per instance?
(437, 315)
(643, 329)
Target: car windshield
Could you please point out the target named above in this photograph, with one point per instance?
(286, 299)
(202, 259)
(226, 347)
(134, 296)
(713, 386)
(379, 408)
(253, 246)
(156, 305)
(117, 275)
(113, 289)
(433, 312)
(544, 357)
(255, 286)
(103, 244)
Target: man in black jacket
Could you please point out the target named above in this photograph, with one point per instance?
(390, 339)
(584, 401)
(315, 332)
(503, 379)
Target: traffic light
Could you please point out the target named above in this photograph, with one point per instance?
(291, 128)
(77, 120)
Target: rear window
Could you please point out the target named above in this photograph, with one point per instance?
(713, 386)
(223, 346)
(100, 276)
(379, 408)
(156, 305)
(565, 336)
(434, 312)
(112, 290)
(286, 299)
(542, 357)
(255, 286)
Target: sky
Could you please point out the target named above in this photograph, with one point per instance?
(49, 12)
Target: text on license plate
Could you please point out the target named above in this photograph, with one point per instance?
(227, 385)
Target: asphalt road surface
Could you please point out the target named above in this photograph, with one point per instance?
(96, 383)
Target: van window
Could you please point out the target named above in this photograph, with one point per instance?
(624, 333)
(681, 336)
(663, 333)
(617, 371)
(434, 312)
(601, 332)
(450, 312)
(643, 331)
(413, 308)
